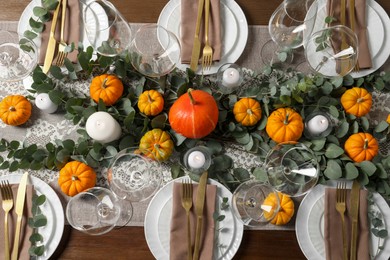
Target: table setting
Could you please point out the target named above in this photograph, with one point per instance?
(197, 127)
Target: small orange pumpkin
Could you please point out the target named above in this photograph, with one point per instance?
(106, 87)
(247, 111)
(356, 101)
(156, 144)
(284, 124)
(76, 177)
(151, 103)
(286, 209)
(361, 147)
(388, 119)
(15, 110)
(194, 114)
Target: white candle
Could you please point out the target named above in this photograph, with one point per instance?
(102, 127)
(43, 102)
(231, 78)
(196, 159)
(317, 124)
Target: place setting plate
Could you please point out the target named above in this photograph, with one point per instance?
(234, 31)
(52, 209)
(158, 216)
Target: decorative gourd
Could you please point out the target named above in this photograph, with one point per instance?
(15, 110)
(361, 147)
(150, 103)
(356, 101)
(194, 114)
(156, 144)
(286, 209)
(106, 87)
(76, 177)
(247, 111)
(284, 124)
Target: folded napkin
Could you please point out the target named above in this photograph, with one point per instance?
(178, 238)
(333, 236)
(71, 31)
(189, 12)
(25, 231)
(333, 9)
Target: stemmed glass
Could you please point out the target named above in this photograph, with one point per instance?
(154, 51)
(107, 31)
(289, 26)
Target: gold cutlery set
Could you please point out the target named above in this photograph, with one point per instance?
(7, 204)
(343, 21)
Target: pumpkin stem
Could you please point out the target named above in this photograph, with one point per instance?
(150, 100)
(286, 119)
(360, 100)
(12, 109)
(104, 83)
(249, 111)
(75, 178)
(157, 147)
(191, 97)
(365, 147)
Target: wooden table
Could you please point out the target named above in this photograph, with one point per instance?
(129, 242)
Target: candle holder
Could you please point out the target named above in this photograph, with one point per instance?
(229, 77)
(317, 125)
(197, 159)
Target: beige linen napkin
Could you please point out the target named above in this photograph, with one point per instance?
(189, 12)
(333, 235)
(71, 31)
(25, 232)
(333, 9)
(178, 238)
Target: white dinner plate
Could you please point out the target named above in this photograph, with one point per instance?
(52, 209)
(378, 30)
(309, 225)
(158, 216)
(234, 31)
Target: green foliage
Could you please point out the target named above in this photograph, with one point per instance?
(37, 220)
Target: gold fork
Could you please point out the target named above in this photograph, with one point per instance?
(62, 45)
(341, 196)
(207, 57)
(186, 202)
(8, 203)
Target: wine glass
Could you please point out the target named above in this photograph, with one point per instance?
(289, 26)
(154, 51)
(18, 56)
(107, 31)
(255, 203)
(292, 168)
(95, 211)
(332, 51)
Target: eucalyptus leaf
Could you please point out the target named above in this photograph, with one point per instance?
(351, 172)
(333, 151)
(333, 170)
(367, 167)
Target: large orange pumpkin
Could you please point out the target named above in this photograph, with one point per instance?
(15, 110)
(284, 124)
(156, 144)
(106, 87)
(247, 111)
(356, 101)
(194, 114)
(150, 103)
(361, 147)
(286, 209)
(76, 177)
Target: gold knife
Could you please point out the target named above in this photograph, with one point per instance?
(19, 212)
(51, 45)
(196, 46)
(355, 193)
(200, 199)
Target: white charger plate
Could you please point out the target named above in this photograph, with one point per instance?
(52, 209)
(234, 31)
(158, 216)
(309, 225)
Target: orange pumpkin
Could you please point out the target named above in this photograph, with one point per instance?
(194, 114)
(247, 111)
(388, 119)
(15, 110)
(150, 103)
(361, 147)
(76, 177)
(356, 101)
(286, 209)
(106, 87)
(284, 124)
(156, 144)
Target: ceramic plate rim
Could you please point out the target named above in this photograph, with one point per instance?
(55, 206)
